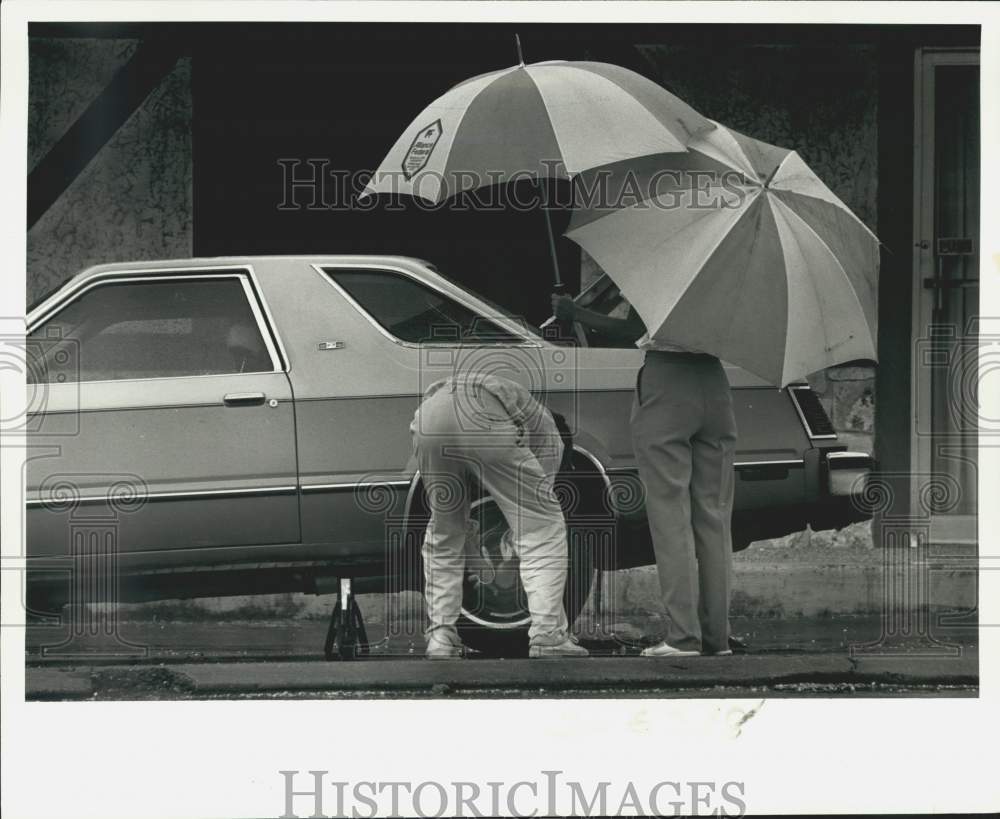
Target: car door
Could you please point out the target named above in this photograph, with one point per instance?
(370, 335)
(163, 410)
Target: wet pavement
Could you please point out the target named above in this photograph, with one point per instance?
(826, 656)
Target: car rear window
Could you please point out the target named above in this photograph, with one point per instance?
(415, 313)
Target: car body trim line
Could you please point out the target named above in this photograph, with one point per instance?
(262, 328)
(158, 378)
(403, 483)
(737, 464)
(415, 481)
(752, 464)
(153, 496)
(269, 321)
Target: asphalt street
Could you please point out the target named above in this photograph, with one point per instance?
(826, 656)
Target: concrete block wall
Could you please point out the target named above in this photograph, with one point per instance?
(134, 199)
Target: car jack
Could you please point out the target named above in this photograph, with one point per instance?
(346, 637)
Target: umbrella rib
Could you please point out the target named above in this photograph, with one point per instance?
(743, 274)
(500, 72)
(841, 206)
(867, 329)
(812, 283)
(552, 126)
(810, 227)
(633, 297)
(836, 203)
(826, 247)
(690, 134)
(832, 255)
(589, 89)
(709, 253)
(465, 109)
(646, 194)
(733, 144)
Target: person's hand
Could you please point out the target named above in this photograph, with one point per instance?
(563, 307)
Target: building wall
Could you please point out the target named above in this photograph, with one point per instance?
(134, 199)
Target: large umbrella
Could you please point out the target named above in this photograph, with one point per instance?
(752, 258)
(546, 120)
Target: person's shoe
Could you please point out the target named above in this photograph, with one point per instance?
(441, 648)
(664, 649)
(726, 653)
(567, 648)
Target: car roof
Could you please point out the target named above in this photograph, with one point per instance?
(237, 261)
(195, 264)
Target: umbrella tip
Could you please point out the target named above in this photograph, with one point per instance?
(517, 42)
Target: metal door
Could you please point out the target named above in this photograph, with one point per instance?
(946, 292)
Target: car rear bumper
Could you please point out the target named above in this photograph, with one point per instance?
(847, 473)
(828, 493)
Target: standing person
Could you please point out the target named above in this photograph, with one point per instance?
(684, 437)
(486, 428)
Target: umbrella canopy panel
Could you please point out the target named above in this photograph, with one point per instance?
(552, 119)
(736, 248)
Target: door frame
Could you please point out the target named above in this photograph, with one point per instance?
(926, 61)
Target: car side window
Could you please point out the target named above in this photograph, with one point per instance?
(410, 311)
(150, 329)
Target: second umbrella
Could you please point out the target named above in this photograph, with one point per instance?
(738, 249)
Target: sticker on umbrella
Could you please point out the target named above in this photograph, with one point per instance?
(420, 151)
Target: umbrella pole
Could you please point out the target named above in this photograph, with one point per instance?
(559, 286)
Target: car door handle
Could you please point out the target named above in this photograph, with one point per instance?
(243, 399)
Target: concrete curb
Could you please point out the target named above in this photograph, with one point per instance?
(490, 677)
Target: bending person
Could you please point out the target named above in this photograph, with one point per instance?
(479, 427)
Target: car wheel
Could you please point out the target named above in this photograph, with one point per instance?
(495, 618)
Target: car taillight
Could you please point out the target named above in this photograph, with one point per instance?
(811, 412)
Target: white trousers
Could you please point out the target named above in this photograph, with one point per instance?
(455, 439)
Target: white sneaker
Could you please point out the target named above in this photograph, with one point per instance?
(441, 648)
(567, 648)
(664, 649)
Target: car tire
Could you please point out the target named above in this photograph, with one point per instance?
(494, 618)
